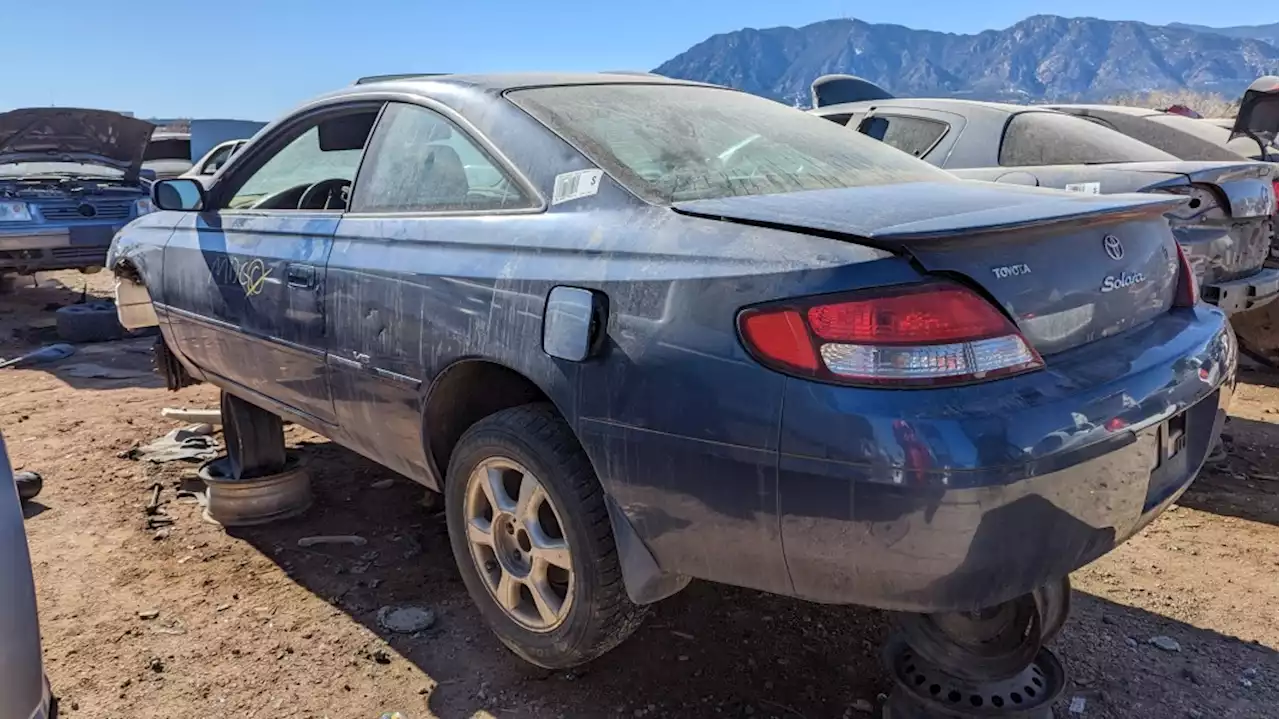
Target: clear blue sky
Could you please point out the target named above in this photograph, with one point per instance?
(256, 59)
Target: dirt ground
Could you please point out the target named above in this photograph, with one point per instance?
(247, 624)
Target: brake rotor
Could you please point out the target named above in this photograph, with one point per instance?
(989, 644)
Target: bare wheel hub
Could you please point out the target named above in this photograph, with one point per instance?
(518, 545)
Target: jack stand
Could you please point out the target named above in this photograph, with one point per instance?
(922, 691)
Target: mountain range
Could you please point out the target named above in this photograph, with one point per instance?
(1044, 57)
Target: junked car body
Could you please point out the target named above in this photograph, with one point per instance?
(69, 179)
(639, 330)
(24, 690)
(194, 149)
(1225, 230)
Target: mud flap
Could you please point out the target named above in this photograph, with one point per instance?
(646, 583)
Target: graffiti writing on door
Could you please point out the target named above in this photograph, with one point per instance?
(251, 274)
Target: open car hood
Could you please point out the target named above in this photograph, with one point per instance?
(61, 134)
(1258, 110)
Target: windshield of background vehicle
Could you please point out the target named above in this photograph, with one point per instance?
(19, 170)
(671, 143)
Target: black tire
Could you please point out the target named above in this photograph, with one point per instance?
(89, 322)
(601, 616)
(255, 439)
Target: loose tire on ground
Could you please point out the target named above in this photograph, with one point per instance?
(89, 322)
(1257, 331)
(599, 615)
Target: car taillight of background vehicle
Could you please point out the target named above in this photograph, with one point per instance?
(1188, 292)
(931, 334)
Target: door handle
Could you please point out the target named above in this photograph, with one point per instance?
(301, 276)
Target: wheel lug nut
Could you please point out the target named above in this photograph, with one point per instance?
(490, 565)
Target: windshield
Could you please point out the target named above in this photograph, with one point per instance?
(57, 169)
(1053, 138)
(176, 148)
(671, 143)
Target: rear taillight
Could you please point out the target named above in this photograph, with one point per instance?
(1188, 292)
(916, 335)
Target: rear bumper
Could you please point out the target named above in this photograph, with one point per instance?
(1245, 293)
(61, 248)
(945, 500)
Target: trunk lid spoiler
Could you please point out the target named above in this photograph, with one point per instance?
(892, 217)
(61, 134)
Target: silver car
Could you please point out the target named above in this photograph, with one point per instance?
(24, 690)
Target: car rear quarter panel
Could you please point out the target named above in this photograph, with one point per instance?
(680, 424)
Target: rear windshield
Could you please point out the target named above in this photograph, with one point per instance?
(1216, 135)
(1052, 138)
(168, 149)
(1183, 137)
(670, 143)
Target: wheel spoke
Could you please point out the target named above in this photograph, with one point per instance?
(508, 591)
(496, 493)
(531, 495)
(480, 531)
(552, 551)
(545, 600)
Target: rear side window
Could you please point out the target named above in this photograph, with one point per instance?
(418, 161)
(671, 143)
(913, 135)
(1052, 138)
(848, 119)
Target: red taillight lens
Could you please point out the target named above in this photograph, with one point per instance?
(929, 334)
(930, 314)
(1188, 292)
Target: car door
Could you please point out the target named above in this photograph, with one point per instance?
(431, 207)
(245, 277)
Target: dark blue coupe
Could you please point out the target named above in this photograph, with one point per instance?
(639, 331)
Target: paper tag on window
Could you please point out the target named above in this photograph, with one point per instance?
(575, 185)
(1088, 188)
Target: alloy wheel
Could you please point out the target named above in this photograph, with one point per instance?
(518, 545)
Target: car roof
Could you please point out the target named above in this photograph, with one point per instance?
(931, 103)
(502, 82)
(1117, 109)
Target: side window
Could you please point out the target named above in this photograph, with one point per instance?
(913, 135)
(329, 149)
(217, 160)
(418, 161)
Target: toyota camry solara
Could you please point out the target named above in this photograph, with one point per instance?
(638, 331)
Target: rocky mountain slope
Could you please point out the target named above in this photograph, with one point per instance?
(1044, 57)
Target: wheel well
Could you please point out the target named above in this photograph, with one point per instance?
(464, 394)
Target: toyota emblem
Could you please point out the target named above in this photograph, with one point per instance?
(1112, 245)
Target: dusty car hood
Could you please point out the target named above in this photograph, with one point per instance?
(96, 137)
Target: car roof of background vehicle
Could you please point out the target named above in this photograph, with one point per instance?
(502, 82)
(951, 104)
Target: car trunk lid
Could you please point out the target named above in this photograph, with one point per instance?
(1067, 268)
